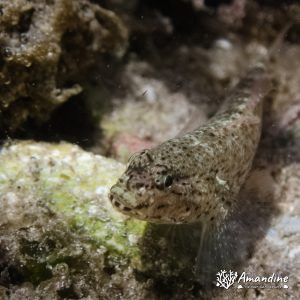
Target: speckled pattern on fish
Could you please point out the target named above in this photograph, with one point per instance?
(196, 177)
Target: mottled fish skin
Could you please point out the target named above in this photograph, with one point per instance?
(196, 177)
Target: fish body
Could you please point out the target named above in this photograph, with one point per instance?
(196, 177)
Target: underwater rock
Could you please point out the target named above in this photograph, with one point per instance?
(59, 233)
(46, 47)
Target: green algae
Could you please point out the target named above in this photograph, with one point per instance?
(74, 184)
(55, 211)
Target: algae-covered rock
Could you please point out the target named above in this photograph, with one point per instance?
(59, 233)
(45, 49)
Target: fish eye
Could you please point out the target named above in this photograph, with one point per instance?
(168, 181)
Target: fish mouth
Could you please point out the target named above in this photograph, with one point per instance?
(154, 208)
(124, 202)
(160, 213)
(127, 202)
(117, 201)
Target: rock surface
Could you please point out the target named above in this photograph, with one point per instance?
(58, 226)
(46, 48)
